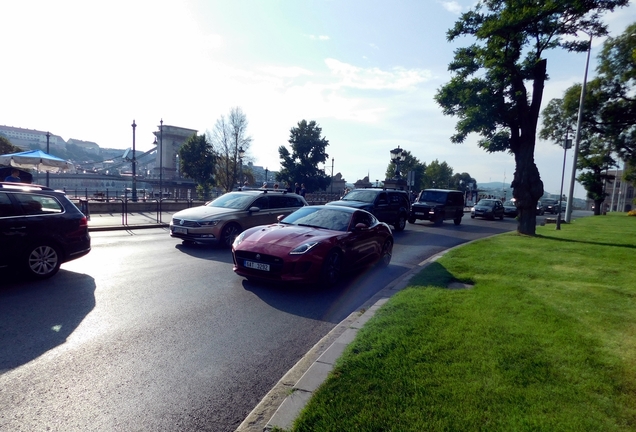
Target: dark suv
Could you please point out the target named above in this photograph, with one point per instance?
(437, 205)
(388, 205)
(40, 228)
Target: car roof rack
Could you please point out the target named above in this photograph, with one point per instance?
(24, 186)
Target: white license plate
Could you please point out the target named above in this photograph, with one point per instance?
(419, 214)
(257, 266)
(179, 230)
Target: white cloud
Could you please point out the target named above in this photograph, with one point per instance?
(398, 78)
(451, 6)
(319, 37)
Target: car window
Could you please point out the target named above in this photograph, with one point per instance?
(6, 206)
(362, 217)
(261, 202)
(320, 217)
(432, 196)
(360, 195)
(284, 201)
(33, 204)
(232, 200)
(382, 199)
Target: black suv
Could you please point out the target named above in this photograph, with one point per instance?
(437, 205)
(388, 205)
(40, 228)
(551, 206)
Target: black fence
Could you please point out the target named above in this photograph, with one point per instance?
(143, 195)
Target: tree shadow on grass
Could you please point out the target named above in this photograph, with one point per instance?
(436, 275)
(625, 245)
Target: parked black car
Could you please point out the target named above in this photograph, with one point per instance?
(40, 228)
(391, 206)
(438, 205)
(488, 208)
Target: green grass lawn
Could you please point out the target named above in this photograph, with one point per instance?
(544, 341)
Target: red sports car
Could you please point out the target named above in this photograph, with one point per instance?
(314, 244)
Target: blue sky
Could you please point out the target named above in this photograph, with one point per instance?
(365, 70)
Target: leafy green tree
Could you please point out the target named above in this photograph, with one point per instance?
(438, 175)
(595, 151)
(6, 147)
(197, 161)
(489, 93)
(307, 151)
(615, 103)
(463, 182)
(410, 163)
(228, 137)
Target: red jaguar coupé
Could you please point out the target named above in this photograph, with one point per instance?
(314, 244)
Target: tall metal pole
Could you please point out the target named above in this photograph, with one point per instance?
(568, 210)
(134, 166)
(332, 160)
(160, 168)
(565, 150)
(48, 135)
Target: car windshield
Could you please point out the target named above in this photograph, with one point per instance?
(486, 202)
(360, 195)
(432, 196)
(509, 204)
(320, 217)
(232, 200)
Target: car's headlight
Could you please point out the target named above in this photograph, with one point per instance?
(303, 248)
(239, 238)
(209, 222)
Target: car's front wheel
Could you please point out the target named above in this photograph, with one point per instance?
(229, 233)
(42, 260)
(411, 220)
(331, 269)
(457, 221)
(387, 253)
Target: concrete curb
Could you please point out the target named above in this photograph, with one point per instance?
(283, 403)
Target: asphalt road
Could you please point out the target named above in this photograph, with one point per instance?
(146, 334)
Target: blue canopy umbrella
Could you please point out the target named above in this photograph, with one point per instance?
(35, 159)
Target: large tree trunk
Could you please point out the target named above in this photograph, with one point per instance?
(527, 184)
(527, 189)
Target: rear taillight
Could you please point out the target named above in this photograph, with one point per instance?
(83, 222)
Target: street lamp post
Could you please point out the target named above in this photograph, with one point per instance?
(241, 153)
(266, 175)
(566, 145)
(160, 168)
(134, 166)
(48, 135)
(397, 156)
(332, 160)
(568, 210)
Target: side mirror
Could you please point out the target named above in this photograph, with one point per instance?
(254, 209)
(361, 226)
(280, 217)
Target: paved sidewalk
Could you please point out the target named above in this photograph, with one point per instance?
(127, 221)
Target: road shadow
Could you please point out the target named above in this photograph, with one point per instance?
(207, 252)
(38, 316)
(332, 304)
